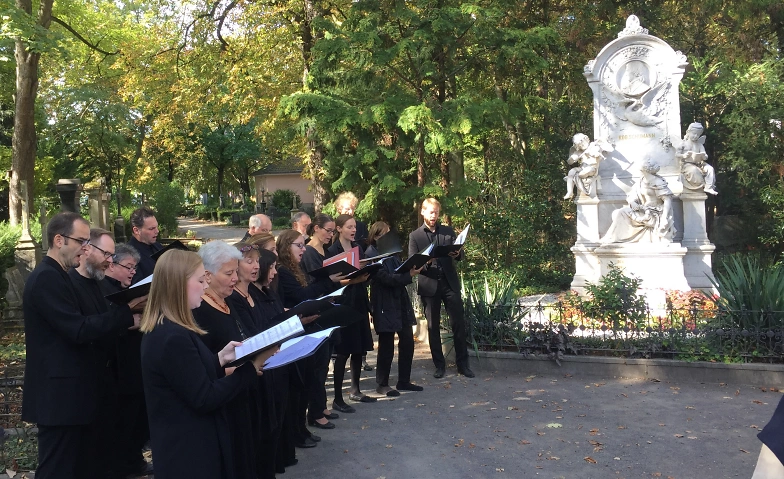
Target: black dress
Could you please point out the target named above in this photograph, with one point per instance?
(355, 338)
(311, 261)
(242, 412)
(187, 394)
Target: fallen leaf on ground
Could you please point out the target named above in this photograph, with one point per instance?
(553, 425)
(678, 435)
(524, 442)
(589, 459)
(743, 450)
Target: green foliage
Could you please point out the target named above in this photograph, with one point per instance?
(168, 201)
(284, 199)
(751, 291)
(615, 300)
(493, 316)
(19, 452)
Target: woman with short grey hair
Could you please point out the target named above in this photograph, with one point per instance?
(222, 323)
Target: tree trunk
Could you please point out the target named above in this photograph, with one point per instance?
(315, 170)
(24, 142)
(221, 172)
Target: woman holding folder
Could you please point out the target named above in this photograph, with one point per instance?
(392, 314)
(185, 385)
(224, 323)
(356, 338)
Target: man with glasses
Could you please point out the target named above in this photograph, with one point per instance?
(65, 383)
(300, 223)
(144, 228)
(133, 430)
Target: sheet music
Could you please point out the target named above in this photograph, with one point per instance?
(297, 348)
(334, 293)
(142, 282)
(427, 250)
(462, 236)
(270, 336)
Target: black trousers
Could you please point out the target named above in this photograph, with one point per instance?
(67, 452)
(454, 307)
(405, 356)
(133, 430)
(316, 381)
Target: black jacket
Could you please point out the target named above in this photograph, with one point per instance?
(427, 284)
(292, 293)
(63, 367)
(146, 263)
(186, 394)
(389, 300)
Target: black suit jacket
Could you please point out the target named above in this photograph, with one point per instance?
(186, 393)
(427, 284)
(62, 372)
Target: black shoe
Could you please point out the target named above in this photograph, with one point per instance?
(439, 373)
(345, 408)
(290, 463)
(306, 444)
(362, 398)
(408, 387)
(331, 415)
(318, 425)
(314, 437)
(466, 371)
(366, 366)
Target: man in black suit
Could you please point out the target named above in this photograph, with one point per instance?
(65, 365)
(145, 241)
(438, 282)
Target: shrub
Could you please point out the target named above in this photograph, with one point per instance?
(284, 199)
(492, 313)
(167, 201)
(615, 300)
(751, 292)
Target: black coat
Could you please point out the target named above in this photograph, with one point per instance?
(64, 366)
(311, 261)
(187, 393)
(292, 293)
(773, 433)
(146, 263)
(389, 300)
(128, 356)
(427, 284)
(356, 337)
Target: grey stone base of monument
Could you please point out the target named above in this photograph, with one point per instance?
(654, 369)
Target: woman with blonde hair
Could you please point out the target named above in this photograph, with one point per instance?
(185, 385)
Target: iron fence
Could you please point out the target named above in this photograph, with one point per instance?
(693, 333)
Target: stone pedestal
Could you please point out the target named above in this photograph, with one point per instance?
(68, 190)
(659, 266)
(697, 263)
(95, 201)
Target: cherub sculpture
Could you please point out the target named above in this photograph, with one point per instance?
(586, 155)
(648, 216)
(695, 172)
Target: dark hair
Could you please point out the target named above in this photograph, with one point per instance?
(375, 232)
(340, 221)
(319, 220)
(285, 260)
(62, 224)
(266, 259)
(139, 215)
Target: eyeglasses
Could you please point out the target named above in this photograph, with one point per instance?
(249, 247)
(83, 242)
(329, 230)
(106, 254)
(129, 268)
(299, 245)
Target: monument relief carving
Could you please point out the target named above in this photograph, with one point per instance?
(587, 155)
(696, 174)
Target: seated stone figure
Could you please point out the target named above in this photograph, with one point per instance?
(587, 155)
(648, 217)
(695, 172)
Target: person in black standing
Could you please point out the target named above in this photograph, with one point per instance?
(346, 204)
(87, 279)
(356, 338)
(144, 228)
(133, 432)
(439, 282)
(63, 371)
(185, 384)
(392, 314)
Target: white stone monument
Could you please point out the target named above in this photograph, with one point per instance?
(635, 211)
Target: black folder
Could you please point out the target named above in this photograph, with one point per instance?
(141, 288)
(416, 260)
(176, 244)
(342, 267)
